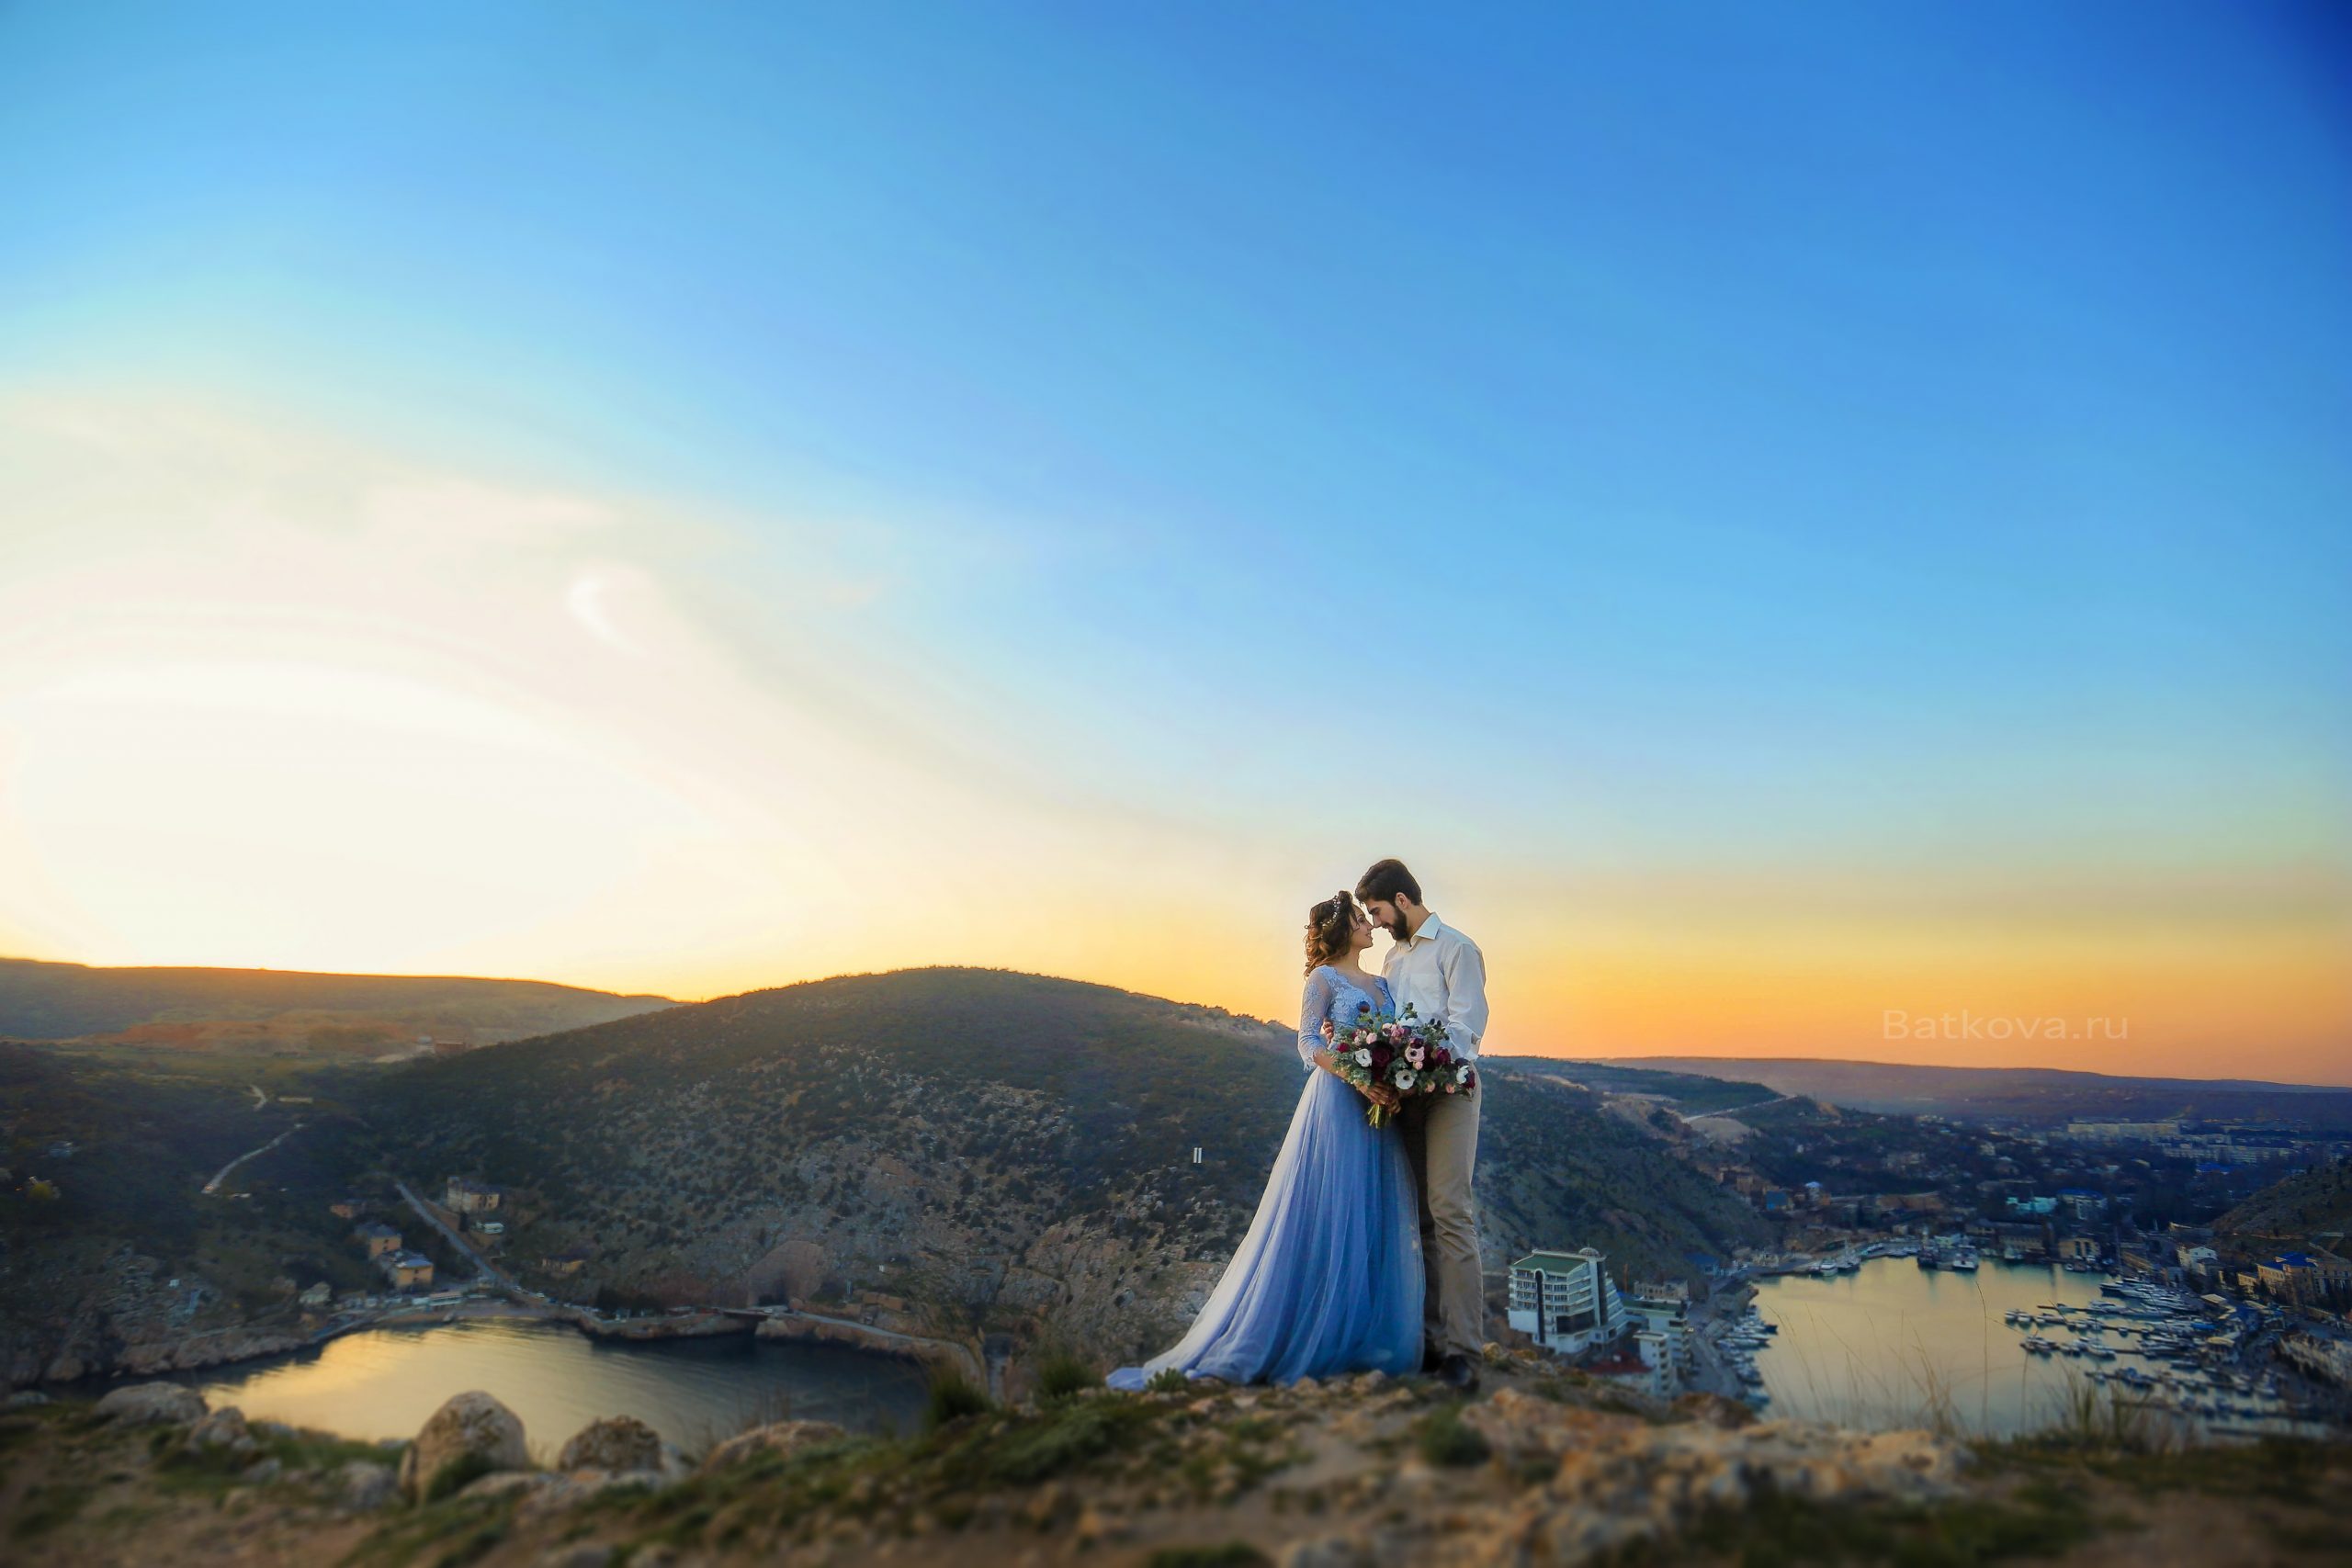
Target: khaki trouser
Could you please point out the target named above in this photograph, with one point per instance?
(1442, 1138)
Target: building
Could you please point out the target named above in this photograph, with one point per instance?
(466, 1196)
(347, 1208)
(318, 1295)
(377, 1239)
(564, 1264)
(2086, 1204)
(491, 1232)
(409, 1270)
(1661, 1309)
(2103, 1132)
(1566, 1300)
(2291, 1276)
(2079, 1248)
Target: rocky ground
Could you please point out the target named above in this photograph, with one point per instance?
(1543, 1466)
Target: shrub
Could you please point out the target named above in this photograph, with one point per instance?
(1168, 1380)
(953, 1397)
(1061, 1375)
(1444, 1440)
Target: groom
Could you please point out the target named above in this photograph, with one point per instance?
(1441, 973)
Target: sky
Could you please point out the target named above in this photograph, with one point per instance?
(1806, 527)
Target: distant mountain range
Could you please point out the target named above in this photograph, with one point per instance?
(2033, 1096)
(287, 1011)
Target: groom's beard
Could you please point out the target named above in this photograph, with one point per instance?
(1396, 929)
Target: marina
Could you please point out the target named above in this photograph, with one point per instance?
(1995, 1349)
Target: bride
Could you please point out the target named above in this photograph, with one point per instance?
(1328, 1280)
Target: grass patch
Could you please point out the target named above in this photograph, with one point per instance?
(953, 1397)
(1232, 1554)
(49, 1509)
(1059, 1439)
(456, 1475)
(1166, 1380)
(1444, 1439)
(447, 1534)
(1063, 1376)
(2284, 1469)
(1781, 1531)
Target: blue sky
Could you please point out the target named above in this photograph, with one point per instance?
(1897, 439)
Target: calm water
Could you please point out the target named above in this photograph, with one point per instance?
(383, 1383)
(1881, 1347)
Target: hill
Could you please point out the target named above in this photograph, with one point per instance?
(2026, 1095)
(965, 1151)
(290, 1012)
(2307, 1206)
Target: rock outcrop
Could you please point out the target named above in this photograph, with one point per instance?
(471, 1435)
(618, 1444)
(152, 1404)
(781, 1437)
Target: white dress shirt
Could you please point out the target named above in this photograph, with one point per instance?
(1441, 973)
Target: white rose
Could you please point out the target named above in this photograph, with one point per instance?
(1364, 1057)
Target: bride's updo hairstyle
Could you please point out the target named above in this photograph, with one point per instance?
(1328, 928)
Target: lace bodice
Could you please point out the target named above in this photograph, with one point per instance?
(1332, 997)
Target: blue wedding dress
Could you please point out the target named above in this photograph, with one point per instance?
(1328, 1280)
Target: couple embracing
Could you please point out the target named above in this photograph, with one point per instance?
(1363, 1253)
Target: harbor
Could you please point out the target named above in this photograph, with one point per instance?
(1879, 1338)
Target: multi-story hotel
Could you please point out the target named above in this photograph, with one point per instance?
(1566, 1300)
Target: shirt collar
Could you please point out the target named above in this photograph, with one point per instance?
(1429, 927)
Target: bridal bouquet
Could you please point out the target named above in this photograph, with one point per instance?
(1400, 1051)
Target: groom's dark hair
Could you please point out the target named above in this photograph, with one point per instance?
(1386, 879)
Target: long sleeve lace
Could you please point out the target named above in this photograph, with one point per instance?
(1313, 1009)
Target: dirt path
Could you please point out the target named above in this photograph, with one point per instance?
(223, 1174)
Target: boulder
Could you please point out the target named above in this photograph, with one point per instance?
(364, 1487)
(471, 1435)
(616, 1443)
(222, 1429)
(152, 1404)
(779, 1437)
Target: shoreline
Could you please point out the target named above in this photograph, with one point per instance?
(188, 1356)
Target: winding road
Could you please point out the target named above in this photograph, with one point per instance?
(223, 1174)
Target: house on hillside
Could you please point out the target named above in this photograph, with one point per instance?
(1566, 1300)
(565, 1264)
(347, 1208)
(466, 1196)
(409, 1270)
(377, 1239)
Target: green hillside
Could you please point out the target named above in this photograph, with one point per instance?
(999, 1151)
(2308, 1204)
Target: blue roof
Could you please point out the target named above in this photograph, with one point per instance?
(2294, 1260)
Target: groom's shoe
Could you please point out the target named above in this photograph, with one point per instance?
(1431, 1358)
(1456, 1373)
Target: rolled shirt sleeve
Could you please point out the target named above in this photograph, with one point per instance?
(1464, 968)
